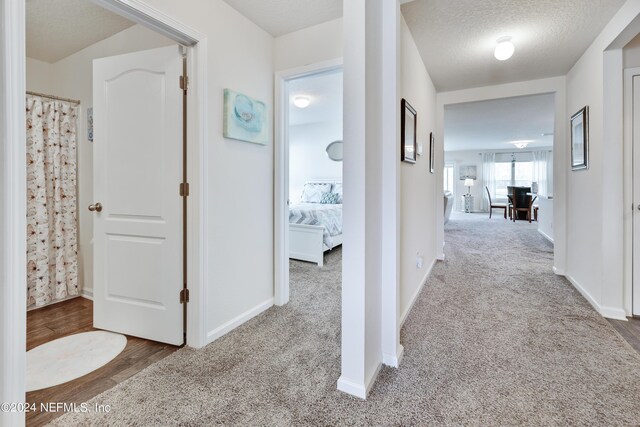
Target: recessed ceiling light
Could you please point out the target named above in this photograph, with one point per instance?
(301, 101)
(504, 49)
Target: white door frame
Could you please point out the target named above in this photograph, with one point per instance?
(628, 167)
(13, 289)
(281, 181)
(13, 183)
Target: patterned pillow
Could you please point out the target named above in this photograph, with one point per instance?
(329, 198)
(312, 192)
(337, 189)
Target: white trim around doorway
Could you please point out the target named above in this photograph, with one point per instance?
(628, 167)
(552, 85)
(197, 151)
(13, 183)
(281, 178)
(13, 289)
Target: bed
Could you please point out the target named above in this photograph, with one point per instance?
(315, 223)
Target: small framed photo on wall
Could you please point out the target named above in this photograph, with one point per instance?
(409, 143)
(432, 160)
(468, 172)
(580, 139)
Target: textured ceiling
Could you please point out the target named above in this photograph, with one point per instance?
(456, 38)
(278, 17)
(490, 125)
(59, 28)
(325, 93)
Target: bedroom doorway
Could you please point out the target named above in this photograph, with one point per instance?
(308, 193)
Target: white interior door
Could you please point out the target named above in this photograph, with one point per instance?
(636, 194)
(137, 171)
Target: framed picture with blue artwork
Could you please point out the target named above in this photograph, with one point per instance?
(245, 118)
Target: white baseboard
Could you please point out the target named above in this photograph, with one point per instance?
(558, 271)
(393, 360)
(356, 389)
(238, 320)
(608, 312)
(613, 313)
(87, 293)
(372, 379)
(545, 235)
(352, 387)
(414, 297)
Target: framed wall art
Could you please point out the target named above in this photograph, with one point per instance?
(468, 172)
(580, 139)
(245, 118)
(408, 126)
(90, 124)
(432, 160)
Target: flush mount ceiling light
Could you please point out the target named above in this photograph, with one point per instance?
(301, 101)
(520, 144)
(505, 48)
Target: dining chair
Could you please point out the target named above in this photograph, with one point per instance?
(493, 205)
(527, 208)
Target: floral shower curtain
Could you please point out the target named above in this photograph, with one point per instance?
(52, 247)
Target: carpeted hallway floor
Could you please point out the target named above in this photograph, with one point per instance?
(495, 338)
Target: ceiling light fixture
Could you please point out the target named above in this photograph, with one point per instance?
(520, 144)
(505, 48)
(301, 101)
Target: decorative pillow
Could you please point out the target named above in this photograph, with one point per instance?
(337, 189)
(329, 198)
(312, 192)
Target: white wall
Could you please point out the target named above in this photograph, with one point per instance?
(631, 53)
(72, 77)
(40, 76)
(318, 43)
(595, 237)
(308, 159)
(545, 217)
(418, 185)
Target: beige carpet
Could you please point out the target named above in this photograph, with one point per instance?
(495, 338)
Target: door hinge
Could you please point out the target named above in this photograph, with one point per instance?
(184, 83)
(184, 296)
(184, 189)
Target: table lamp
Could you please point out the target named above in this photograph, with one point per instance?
(468, 183)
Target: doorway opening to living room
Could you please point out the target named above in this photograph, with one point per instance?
(499, 160)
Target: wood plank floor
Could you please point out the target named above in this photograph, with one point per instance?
(72, 317)
(630, 331)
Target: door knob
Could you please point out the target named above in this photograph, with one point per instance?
(97, 207)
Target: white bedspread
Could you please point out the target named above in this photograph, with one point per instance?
(329, 216)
